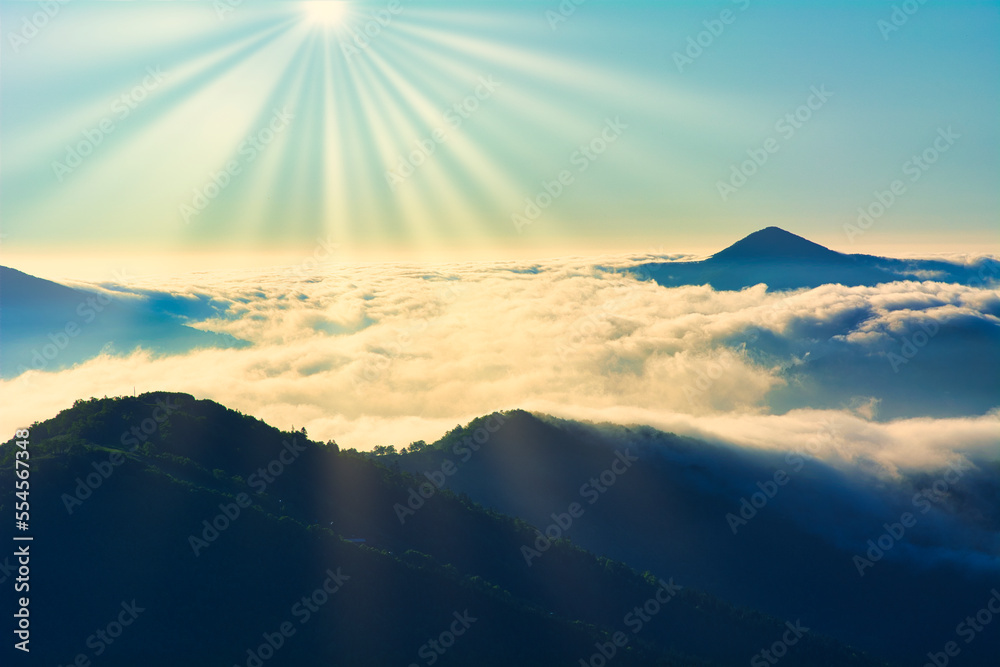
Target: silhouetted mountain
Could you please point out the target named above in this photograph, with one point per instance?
(21, 292)
(775, 243)
(821, 361)
(783, 261)
(676, 507)
(48, 326)
(210, 532)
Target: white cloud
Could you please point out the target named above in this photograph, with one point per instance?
(373, 354)
(842, 438)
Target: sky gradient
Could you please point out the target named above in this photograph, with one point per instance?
(260, 128)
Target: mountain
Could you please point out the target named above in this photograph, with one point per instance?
(48, 326)
(785, 261)
(773, 531)
(169, 530)
(823, 362)
(775, 243)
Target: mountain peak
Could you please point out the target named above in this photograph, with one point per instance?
(775, 243)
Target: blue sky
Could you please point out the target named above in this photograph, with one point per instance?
(267, 127)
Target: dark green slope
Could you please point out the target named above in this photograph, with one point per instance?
(667, 513)
(135, 534)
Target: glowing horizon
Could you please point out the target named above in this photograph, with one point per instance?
(428, 129)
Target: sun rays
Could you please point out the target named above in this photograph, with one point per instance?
(327, 13)
(407, 127)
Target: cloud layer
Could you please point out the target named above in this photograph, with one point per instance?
(387, 354)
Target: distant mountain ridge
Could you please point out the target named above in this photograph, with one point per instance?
(829, 368)
(785, 261)
(48, 326)
(179, 523)
(20, 291)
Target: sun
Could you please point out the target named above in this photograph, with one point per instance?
(328, 13)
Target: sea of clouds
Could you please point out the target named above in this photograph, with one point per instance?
(370, 354)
